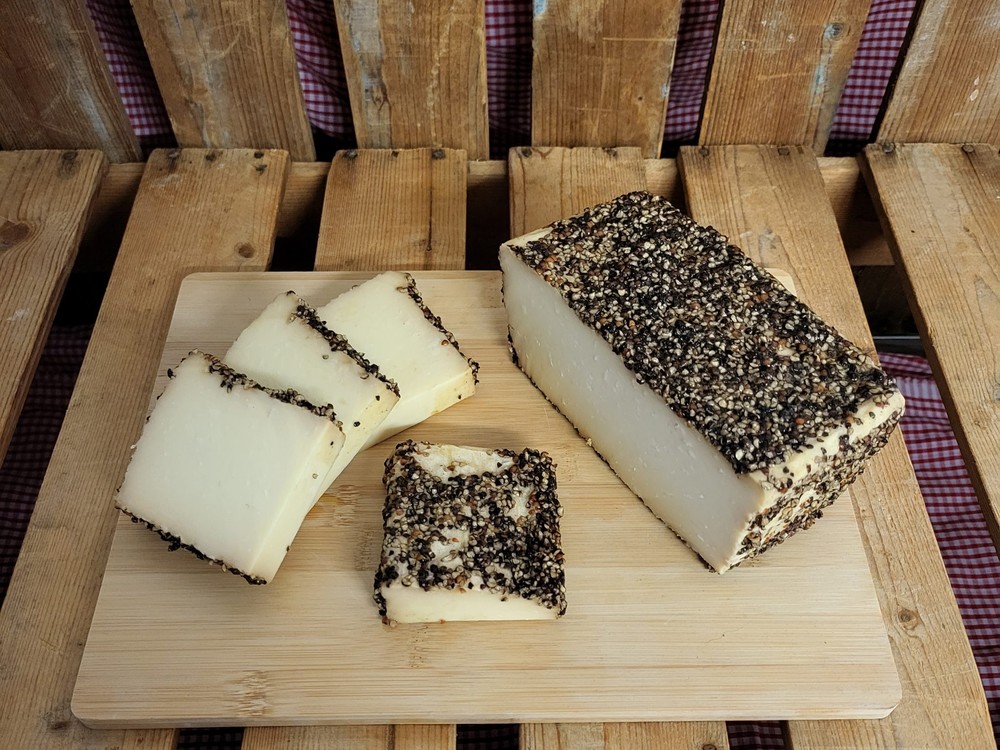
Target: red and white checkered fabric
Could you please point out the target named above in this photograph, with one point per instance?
(508, 70)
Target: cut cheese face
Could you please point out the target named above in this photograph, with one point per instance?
(387, 321)
(725, 404)
(470, 534)
(227, 468)
(288, 347)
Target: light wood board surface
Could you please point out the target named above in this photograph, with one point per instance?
(771, 201)
(650, 634)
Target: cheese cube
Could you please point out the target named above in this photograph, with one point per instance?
(288, 347)
(723, 402)
(470, 534)
(386, 320)
(227, 468)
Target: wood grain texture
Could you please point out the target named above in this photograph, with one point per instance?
(779, 69)
(227, 73)
(772, 203)
(55, 86)
(948, 88)
(377, 737)
(601, 71)
(196, 210)
(942, 214)
(416, 73)
(548, 184)
(394, 209)
(45, 197)
(693, 735)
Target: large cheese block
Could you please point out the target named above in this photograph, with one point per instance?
(287, 346)
(470, 534)
(722, 401)
(386, 319)
(227, 468)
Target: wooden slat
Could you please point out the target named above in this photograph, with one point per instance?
(948, 88)
(227, 73)
(941, 205)
(772, 203)
(779, 69)
(416, 73)
(547, 184)
(399, 209)
(601, 72)
(45, 197)
(54, 82)
(394, 209)
(196, 211)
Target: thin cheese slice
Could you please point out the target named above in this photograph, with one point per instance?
(287, 346)
(387, 321)
(470, 534)
(229, 469)
(723, 402)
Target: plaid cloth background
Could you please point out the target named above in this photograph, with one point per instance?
(508, 66)
(958, 523)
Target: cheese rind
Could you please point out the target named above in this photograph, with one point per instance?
(287, 346)
(724, 403)
(386, 319)
(227, 468)
(470, 534)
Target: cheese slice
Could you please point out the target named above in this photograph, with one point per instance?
(229, 469)
(287, 346)
(723, 402)
(387, 321)
(470, 534)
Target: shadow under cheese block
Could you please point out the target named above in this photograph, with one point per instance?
(470, 534)
(386, 320)
(287, 346)
(723, 402)
(227, 468)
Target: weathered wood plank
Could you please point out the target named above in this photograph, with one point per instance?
(772, 203)
(547, 184)
(196, 211)
(412, 737)
(416, 73)
(779, 69)
(227, 73)
(942, 217)
(394, 209)
(948, 88)
(45, 197)
(54, 82)
(601, 72)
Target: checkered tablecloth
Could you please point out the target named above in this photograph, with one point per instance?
(508, 65)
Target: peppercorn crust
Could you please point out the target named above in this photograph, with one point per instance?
(469, 530)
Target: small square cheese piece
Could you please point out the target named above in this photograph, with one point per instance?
(470, 534)
(386, 319)
(287, 346)
(721, 400)
(227, 468)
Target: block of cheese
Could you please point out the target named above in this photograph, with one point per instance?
(227, 468)
(387, 321)
(287, 346)
(470, 534)
(722, 401)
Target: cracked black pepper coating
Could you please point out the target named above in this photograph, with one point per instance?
(752, 368)
(505, 554)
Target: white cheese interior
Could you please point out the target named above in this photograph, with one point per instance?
(280, 350)
(382, 321)
(413, 604)
(232, 473)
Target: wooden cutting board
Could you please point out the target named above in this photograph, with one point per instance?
(649, 635)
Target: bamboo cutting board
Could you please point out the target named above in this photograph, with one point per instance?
(650, 634)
